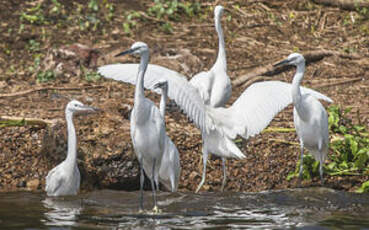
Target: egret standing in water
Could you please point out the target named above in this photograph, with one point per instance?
(309, 115)
(170, 168)
(147, 125)
(64, 179)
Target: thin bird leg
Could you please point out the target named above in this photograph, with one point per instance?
(301, 161)
(224, 174)
(204, 160)
(155, 209)
(142, 178)
(321, 163)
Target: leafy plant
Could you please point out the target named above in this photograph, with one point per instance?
(34, 15)
(349, 146)
(171, 10)
(45, 76)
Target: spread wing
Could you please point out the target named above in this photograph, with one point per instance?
(179, 89)
(256, 107)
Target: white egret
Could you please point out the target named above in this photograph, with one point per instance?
(170, 168)
(64, 179)
(147, 125)
(309, 115)
(214, 85)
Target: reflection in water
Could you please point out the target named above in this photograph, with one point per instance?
(62, 211)
(311, 208)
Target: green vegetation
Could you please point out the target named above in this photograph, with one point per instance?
(349, 149)
(172, 10)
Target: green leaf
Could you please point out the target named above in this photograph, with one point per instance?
(364, 187)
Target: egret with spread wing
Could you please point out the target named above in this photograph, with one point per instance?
(64, 179)
(309, 115)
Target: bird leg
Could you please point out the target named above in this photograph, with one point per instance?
(142, 178)
(155, 209)
(204, 160)
(301, 162)
(321, 172)
(224, 174)
(320, 163)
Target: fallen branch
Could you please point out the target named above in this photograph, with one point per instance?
(278, 130)
(7, 121)
(344, 4)
(23, 93)
(283, 141)
(339, 83)
(270, 70)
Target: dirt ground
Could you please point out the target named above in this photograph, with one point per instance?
(257, 33)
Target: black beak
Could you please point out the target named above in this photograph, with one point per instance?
(284, 62)
(125, 52)
(159, 85)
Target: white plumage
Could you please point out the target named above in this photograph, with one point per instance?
(170, 168)
(65, 178)
(147, 126)
(202, 97)
(310, 117)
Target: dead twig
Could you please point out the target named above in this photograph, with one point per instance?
(283, 141)
(270, 70)
(47, 88)
(339, 83)
(344, 4)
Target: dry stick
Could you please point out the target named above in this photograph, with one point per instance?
(339, 83)
(283, 141)
(270, 70)
(22, 121)
(344, 4)
(23, 93)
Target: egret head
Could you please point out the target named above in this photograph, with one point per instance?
(162, 84)
(136, 48)
(218, 11)
(292, 59)
(75, 106)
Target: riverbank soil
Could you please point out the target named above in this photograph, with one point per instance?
(50, 51)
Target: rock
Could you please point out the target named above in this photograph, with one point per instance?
(33, 184)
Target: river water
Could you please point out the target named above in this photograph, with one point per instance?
(307, 208)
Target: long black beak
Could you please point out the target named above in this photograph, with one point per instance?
(125, 52)
(284, 62)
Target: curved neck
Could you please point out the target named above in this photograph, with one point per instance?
(139, 91)
(163, 101)
(72, 139)
(296, 82)
(296, 92)
(221, 61)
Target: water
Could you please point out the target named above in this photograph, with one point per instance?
(309, 208)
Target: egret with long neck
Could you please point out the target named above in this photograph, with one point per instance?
(65, 178)
(147, 126)
(310, 117)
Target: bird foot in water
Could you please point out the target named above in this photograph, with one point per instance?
(156, 210)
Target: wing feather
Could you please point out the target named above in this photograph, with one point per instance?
(256, 107)
(179, 89)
